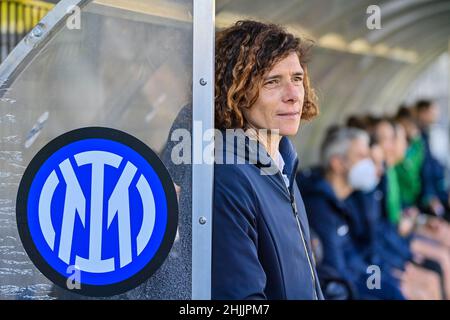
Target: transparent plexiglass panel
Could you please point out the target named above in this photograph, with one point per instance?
(129, 67)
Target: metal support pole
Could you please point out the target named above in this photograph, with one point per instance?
(203, 119)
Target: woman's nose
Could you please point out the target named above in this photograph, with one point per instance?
(291, 92)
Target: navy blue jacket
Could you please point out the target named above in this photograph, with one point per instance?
(260, 251)
(344, 231)
(432, 175)
(330, 219)
(398, 247)
(377, 239)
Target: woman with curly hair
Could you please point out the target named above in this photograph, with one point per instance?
(261, 241)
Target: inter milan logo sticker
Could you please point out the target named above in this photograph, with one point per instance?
(99, 202)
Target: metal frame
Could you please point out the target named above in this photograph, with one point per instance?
(32, 44)
(203, 112)
(202, 173)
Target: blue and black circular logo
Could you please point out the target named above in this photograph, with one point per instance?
(97, 211)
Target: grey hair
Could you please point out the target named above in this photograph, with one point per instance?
(337, 143)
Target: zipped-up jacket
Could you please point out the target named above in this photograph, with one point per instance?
(261, 243)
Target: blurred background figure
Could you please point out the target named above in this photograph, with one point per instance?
(337, 197)
(434, 192)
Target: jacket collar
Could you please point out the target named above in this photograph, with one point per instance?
(235, 145)
(290, 157)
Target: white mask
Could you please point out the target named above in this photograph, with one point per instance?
(363, 175)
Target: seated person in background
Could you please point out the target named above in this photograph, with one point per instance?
(378, 240)
(382, 244)
(346, 167)
(333, 285)
(381, 237)
(409, 171)
(435, 195)
(409, 166)
(392, 139)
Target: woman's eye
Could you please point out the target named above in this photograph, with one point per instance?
(271, 82)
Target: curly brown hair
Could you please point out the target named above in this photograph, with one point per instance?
(245, 52)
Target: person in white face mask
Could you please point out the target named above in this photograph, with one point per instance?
(346, 155)
(363, 175)
(341, 224)
(346, 166)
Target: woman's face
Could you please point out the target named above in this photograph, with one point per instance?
(280, 102)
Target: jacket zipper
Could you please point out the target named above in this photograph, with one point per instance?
(294, 209)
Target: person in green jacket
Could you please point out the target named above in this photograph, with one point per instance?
(388, 138)
(409, 168)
